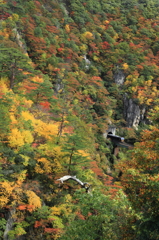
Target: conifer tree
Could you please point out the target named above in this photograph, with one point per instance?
(13, 63)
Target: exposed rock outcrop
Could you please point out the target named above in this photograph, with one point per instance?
(119, 77)
(9, 225)
(59, 86)
(87, 62)
(133, 113)
(19, 40)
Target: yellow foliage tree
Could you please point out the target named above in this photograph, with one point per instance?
(19, 138)
(27, 136)
(65, 208)
(46, 130)
(37, 79)
(6, 189)
(4, 84)
(57, 155)
(27, 116)
(43, 165)
(55, 160)
(33, 200)
(15, 138)
(86, 36)
(67, 28)
(125, 66)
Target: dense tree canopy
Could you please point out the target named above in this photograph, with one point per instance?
(70, 71)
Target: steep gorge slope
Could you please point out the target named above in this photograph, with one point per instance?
(68, 70)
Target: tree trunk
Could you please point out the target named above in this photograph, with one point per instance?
(60, 128)
(12, 77)
(70, 162)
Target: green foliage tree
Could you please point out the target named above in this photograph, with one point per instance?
(140, 181)
(98, 217)
(78, 144)
(13, 63)
(38, 32)
(5, 105)
(52, 120)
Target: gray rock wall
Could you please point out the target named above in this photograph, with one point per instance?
(119, 77)
(133, 113)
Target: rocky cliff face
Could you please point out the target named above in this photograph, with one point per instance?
(119, 77)
(9, 225)
(132, 112)
(19, 40)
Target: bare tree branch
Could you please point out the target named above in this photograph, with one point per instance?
(83, 184)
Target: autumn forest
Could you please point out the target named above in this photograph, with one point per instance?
(74, 74)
